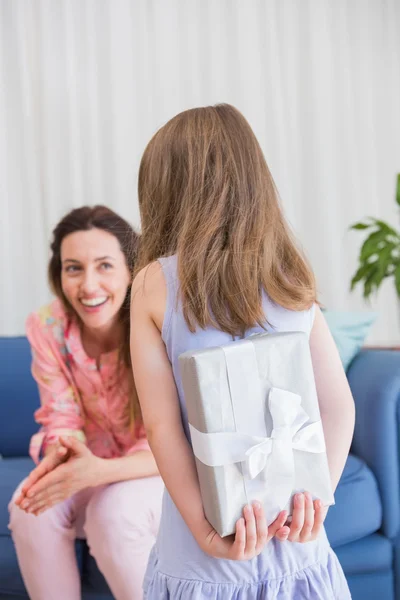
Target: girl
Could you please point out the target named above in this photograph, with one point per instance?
(218, 261)
(92, 434)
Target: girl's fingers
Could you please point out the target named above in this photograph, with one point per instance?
(277, 524)
(282, 533)
(251, 532)
(308, 518)
(239, 544)
(297, 518)
(319, 516)
(261, 526)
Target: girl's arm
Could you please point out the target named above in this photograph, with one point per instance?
(161, 415)
(160, 407)
(334, 396)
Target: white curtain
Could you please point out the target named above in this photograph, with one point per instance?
(85, 83)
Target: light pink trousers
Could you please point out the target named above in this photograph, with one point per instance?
(119, 522)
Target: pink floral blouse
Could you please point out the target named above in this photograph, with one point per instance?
(78, 398)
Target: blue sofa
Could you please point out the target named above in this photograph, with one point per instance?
(363, 526)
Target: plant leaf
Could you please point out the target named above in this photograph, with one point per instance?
(360, 226)
(370, 246)
(361, 273)
(383, 263)
(397, 279)
(369, 281)
(385, 227)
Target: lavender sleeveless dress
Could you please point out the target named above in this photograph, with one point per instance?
(178, 569)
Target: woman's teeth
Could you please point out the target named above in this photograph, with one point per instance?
(94, 301)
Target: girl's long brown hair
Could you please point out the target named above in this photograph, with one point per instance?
(99, 217)
(207, 195)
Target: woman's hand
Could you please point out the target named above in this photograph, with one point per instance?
(55, 485)
(251, 535)
(56, 455)
(307, 519)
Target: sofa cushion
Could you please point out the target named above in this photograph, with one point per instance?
(358, 510)
(92, 580)
(370, 586)
(372, 553)
(12, 472)
(11, 583)
(19, 397)
(94, 586)
(349, 330)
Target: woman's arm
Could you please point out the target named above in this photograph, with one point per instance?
(68, 465)
(334, 396)
(82, 469)
(135, 466)
(59, 412)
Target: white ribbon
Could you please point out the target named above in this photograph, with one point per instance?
(291, 431)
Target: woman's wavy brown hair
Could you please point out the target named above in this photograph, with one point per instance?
(207, 195)
(99, 217)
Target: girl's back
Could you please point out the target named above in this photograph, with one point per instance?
(178, 568)
(208, 203)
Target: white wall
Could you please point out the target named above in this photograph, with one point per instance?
(85, 83)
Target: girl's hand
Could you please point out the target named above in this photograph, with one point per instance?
(252, 534)
(56, 456)
(307, 519)
(79, 472)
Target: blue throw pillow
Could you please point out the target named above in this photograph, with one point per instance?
(349, 330)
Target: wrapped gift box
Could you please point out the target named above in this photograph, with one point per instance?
(255, 425)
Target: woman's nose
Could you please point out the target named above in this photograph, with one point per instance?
(89, 282)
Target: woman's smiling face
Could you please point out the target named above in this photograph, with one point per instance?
(94, 276)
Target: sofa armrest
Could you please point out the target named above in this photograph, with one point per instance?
(374, 378)
(19, 397)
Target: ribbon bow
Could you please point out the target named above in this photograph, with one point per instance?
(290, 432)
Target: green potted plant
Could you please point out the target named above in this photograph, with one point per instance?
(379, 256)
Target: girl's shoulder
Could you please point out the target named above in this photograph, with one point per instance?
(149, 282)
(280, 318)
(149, 292)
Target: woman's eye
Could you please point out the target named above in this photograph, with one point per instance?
(72, 269)
(106, 266)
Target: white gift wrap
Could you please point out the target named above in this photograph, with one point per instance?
(255, 426)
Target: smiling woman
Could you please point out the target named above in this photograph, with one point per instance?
(95, 280)
(91, 428)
